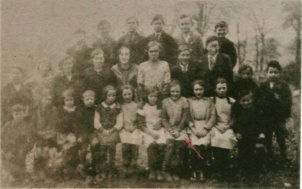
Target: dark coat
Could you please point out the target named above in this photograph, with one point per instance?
(82, 59)
(241, 84)
(68, 122)
(108, 45)
(136, 44)
(187, 78)
(169, 47)
(227, 47)
(222, 68)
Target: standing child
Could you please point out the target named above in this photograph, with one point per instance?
(107, 132)
(154, 135)
(201, 120)
(247, 127)
(222, 136)
(130, 134)
(245, 81)
(174, 116)
(225, 45)
(275, 100)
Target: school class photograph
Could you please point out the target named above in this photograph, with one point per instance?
(150, 94)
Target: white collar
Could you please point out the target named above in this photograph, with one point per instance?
(111, 106)
(69, 109)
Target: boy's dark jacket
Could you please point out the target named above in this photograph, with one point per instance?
(275, 111)
(227, 47)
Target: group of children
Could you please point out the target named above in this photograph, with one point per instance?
(72, 126)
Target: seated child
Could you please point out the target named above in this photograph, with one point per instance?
(222, 136)
(248, 128)
(130, 135)
(201, 120)
(154, 135)
(107, 133)
(244, 82)
(16, 142)
(174, 116)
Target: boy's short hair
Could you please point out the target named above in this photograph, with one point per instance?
(103, 23)
(88, 93)
(274, 64)
(244, 67)
(243, 93)
(220, 24)
(158, 17)
(68, 93)
(174, 83)
(221, 80)
(124, 47)
(61, 63)
(154, 43)
(132, 18)
(96, 52)
(210, 39)
(182, 48)
(185, 16)
(200, 83)
(127, 87)
(107, 89)
(18, 108)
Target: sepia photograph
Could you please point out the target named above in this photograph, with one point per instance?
(150, 93)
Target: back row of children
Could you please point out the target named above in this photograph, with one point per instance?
(77, 119)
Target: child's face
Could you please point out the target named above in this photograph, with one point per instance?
(221, 89)
(221, 31)
(67, 66)
(246, 74)
(184, 57)
(132, 25)
(152, 98)
(127, 95)
(98, 61)
(185, 25)
(68, 101)
(158, 26)
(104, 30)
(198, 91)
(175, 92)
(19, 115)
(153, 53)
(46, 100)
(273, 74)
(246, 101)
(124, 55)
(88, 100)
(111, 96)
(16, 76)
(213, 47)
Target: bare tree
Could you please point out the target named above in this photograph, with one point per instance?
(293, 19)
(203, 16)
(241, 46)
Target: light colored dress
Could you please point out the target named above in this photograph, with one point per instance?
(227, 139)
(172, 112)
(152, 75)
(129, 120)
(202, 116)
(152, 117)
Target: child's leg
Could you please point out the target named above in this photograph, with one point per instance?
(199, 164)
(160, 154)
(180, 151)
(112, 150)
(170, 148)
(281, 133)
(96, 157)
(268, 142)
(126, 153)
(103, 159)
(134, 154)
(152, 155)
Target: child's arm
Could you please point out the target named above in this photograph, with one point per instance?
(184, 118)
(212, 120)
(97, 124)
(119, 121)
(165, 120)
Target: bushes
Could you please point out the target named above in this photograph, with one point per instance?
(292, 74)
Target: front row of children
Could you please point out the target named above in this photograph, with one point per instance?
(81, 141)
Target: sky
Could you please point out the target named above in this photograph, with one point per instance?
(35, 29)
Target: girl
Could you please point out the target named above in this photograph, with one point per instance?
(174, 116)
(67, 129)
(107, 133)
(201, 120)
(124, 71)
(245, 81)
(99, 75)
(248, 128)
(222, 136)
(130, 134)
(154, 72)
(154, 136)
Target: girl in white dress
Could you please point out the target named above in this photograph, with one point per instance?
(222, 136)
(154, 135)
(201, 120)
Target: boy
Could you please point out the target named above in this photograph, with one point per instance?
(16, 140)
(169, 46)
(187, 37)
(274, 100)
(225, 45)
(215, 64)
(105, 41)
(134, 40)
